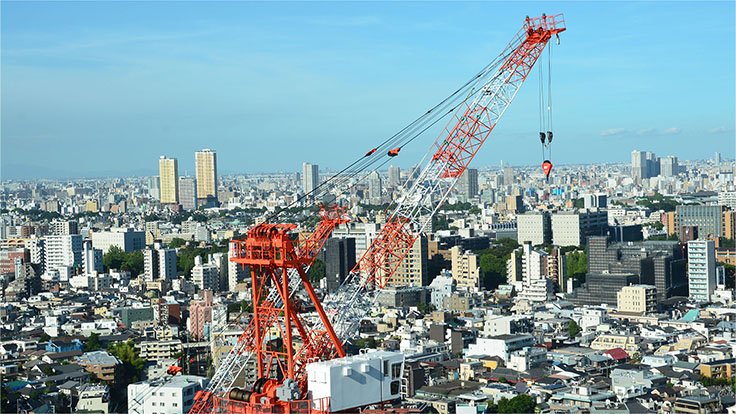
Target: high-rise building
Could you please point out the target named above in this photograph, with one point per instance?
(727, 198)
(701, 269)
(414, 269)
(310, 177)
(339, 258)
(668, 166)
(708, 219)
(602, 288)
(200, 315)
(127, 239)
(644, 164)
(63, 252)
(236, 272)
(363, 233)
(91, 258)
(515, 203)
(717, 159)
(168, 171)
(154, 187)
(508, 176)
(159, 263)
(375, 189)
(592, 201)
(206, 170)
(205, 275)
(466, 269)
(531, 268)
(394, 176)
(64, 227)
(658, 263)
(188, 193)
(468, 184)
(534, 227)
(573, 228)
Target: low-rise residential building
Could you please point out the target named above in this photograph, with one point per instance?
(101, 364)
(154, 350)
(174, 395)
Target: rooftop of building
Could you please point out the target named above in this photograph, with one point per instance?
(98, 358)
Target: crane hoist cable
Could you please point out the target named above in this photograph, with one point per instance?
(545, 114)
(405, 136)
(417, 130)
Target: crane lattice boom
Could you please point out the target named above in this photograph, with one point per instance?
(452, 152)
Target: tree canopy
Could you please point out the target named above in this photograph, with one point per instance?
(317, 272)
(116, 258)
(522, 404)
(493, 262)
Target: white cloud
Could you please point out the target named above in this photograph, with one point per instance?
(671, 131)
(719, 130)
(646, 131)
(613, 131)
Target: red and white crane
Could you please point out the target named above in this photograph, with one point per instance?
(279, 264)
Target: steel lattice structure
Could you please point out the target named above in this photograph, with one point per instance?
(341, 313)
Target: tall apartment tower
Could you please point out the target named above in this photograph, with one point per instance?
(668, 166)
(414, 269)
(310, 177)
(91, 258)
(644, 164)
(468, 184)
(188, 193)
(159, 263)
(374, 188)
(168, 172)
(394, 176)
(701, 269)
(205, 164)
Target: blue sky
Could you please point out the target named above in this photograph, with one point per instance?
(105, 88)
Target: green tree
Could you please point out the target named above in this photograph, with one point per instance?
(44, 338)
(317, 272)
(177, 242)
(426, 308)
(573, 329)
(114, 258)
(131, 361)
(493, 262)
(133, 263)
(92, 343)
(370, 342)
(521, 404)
(577, 264)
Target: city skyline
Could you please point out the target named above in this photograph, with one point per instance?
(195, 83)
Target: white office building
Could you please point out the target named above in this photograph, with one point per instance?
(534, 227)
(310, 177)
(62, 252)
(91, 257)
(170, 396)
(205, 275)
(159, 263)
(571, 228)
(128, 240)
(701, 271)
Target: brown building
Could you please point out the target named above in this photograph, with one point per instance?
(103, 365)
(7, 259)
(724, 368)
